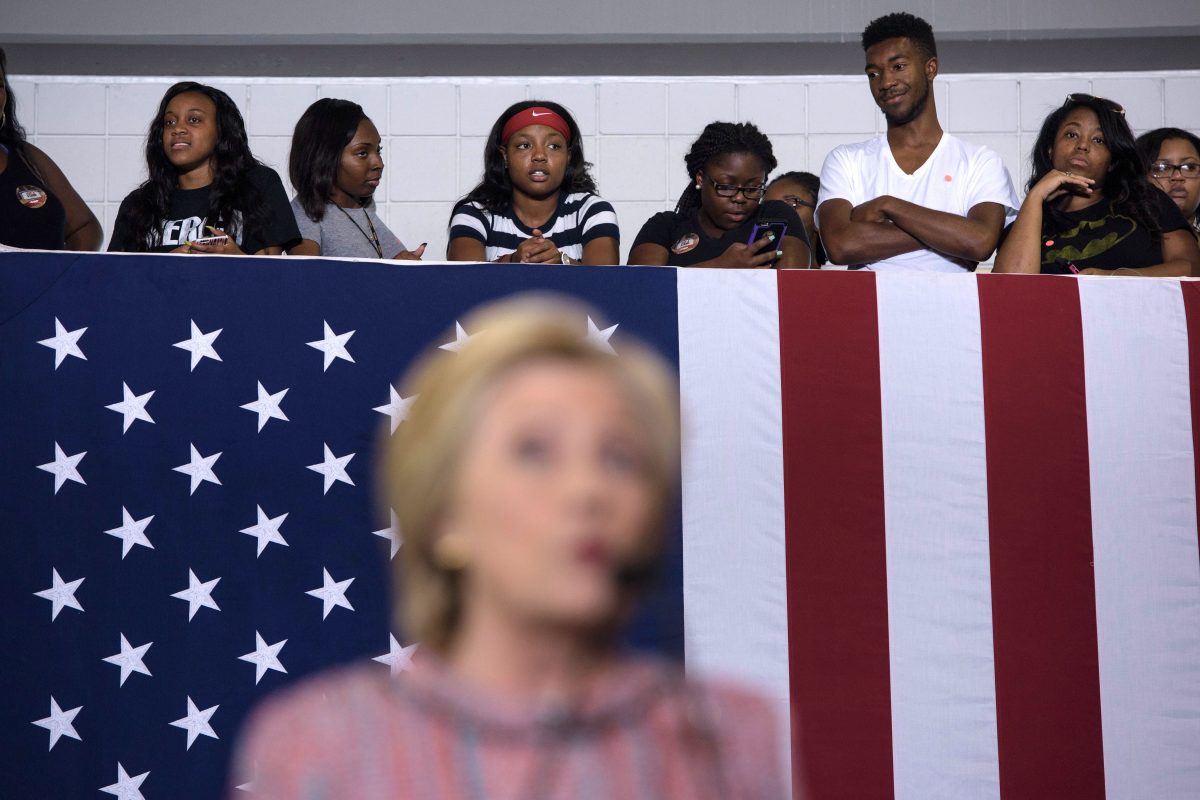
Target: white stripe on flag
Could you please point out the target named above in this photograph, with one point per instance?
(734, 564)
(935, 504)
(1144, 535)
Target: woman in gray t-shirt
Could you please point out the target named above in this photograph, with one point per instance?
(335, 165)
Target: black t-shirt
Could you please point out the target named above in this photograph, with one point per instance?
(687, 244)
(1104, 235)
(185, 219)
(30, 215)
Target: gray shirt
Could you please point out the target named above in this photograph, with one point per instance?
(339, 235)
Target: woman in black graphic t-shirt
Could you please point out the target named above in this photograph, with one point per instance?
(1090, 209)
(714, 218)
(203, 183)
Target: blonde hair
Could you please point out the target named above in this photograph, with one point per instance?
(421, 460)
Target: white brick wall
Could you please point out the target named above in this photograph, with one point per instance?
(636, 130)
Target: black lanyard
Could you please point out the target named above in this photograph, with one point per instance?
(373, 238)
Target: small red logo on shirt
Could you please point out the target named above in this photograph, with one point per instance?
(31, 196)
(1049, 243)
(947, 178)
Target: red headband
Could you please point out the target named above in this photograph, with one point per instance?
(537, 115)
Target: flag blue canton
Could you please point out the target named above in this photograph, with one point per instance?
(186, 506)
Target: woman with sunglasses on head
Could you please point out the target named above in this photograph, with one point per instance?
(335, 164)
(206, 192)
(720, 210)
(800, 191)
(1174, 158)
(39, 209)
(537, 202)
(1090, 209)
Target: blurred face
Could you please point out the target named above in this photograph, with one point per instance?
(1079, 146)
(552, 498)
(799, 198)
(743, 170)
(537, 158)
(901, 79)
(1183, 189)
(190, 131)
(360, 167)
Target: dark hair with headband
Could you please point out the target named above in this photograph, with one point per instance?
(719, 139)
(494, 191)
(1126, 185)
(322, 133)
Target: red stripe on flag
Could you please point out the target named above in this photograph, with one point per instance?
(836, 551)
(1191, 307)
(1040, 530)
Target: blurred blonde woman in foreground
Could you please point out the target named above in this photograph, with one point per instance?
(531, 480)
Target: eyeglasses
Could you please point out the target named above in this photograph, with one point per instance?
(1080, 97)
(732, 189)
(797, 202)
(1165, 169)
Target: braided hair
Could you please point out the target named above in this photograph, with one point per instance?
(720, 139)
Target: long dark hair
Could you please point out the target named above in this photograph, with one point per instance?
(718, 139)
(323, 131)
(231, 193)
(494, 191)
(12, 134)
(1126, 185)
(1150, 142)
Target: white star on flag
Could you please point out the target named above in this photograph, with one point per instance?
(59, 723)
(460, 339)
(333, 468)
(64, 343)
(266, 530)
(61, 594)
(332, 593)
(127, 787)
(196, 722)
(599, 338)
(264, 657)
(199, 468)
(132, 407)
(129, 659)
(396, 408)
(267, 406)
(397, 658)
(64, 467)
(333, 345)
(392, 534)
(198, 594)
(200, 345)
(131, 532)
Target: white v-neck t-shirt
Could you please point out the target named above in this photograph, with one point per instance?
(956, 177)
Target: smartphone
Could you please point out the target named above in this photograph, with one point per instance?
(211, 240)
(777, 227)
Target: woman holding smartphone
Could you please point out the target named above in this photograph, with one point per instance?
(206, 193)
(335, 165)
(39, 208)
(719, 220)
(1089, 207)
(537, 202)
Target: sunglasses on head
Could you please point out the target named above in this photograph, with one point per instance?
(1079, 97)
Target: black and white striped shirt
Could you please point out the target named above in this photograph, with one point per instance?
(579, 218)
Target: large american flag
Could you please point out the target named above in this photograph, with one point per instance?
(948, 523)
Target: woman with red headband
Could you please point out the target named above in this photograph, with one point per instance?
(537, 202)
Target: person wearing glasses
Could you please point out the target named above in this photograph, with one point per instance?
(537, 201)
(800, 190)
(714, 224)
(1090, 209)
(1174, 158)
(915, 198)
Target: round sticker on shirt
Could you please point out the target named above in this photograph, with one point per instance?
(31, 196)
(686, 243)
